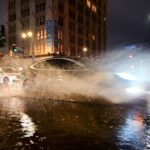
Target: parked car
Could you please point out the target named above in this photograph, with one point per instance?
(9, 75)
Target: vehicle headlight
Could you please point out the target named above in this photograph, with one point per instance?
(126, 76)
(134, 90)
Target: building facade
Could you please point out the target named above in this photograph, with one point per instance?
(67, 27)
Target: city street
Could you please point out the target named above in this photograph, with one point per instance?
(31, 123)
(74, 75)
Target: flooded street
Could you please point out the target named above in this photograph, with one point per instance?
(27, 123)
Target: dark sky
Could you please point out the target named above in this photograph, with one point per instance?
(2, 11)
(128, 21)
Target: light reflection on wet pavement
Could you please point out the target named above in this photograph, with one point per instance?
(55, 125)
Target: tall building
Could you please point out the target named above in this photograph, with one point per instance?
(67, 27)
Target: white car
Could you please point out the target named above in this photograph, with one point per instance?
(9, 75)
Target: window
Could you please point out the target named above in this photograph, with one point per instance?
(60, 21)
(80, 30)
(38, 35)
(72, 14)
(72, 39)
(40, 20)
(93, 37)
(12, 40)
(71, 26)
(25, 24)
(44, 46)
(12, 17)
(12, 28)
(44, 34)
(24, 1)
(41, 34)
(60, 7)
(11, 4)
(25, 12)
(88, 3)
(41, 7)
(94, 9)
(57, 63)
(63, 64)
(72, 2)
(80, 19)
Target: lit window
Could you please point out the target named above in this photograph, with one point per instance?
(88, 2)
(93, 37)
(59, 34)
(94, 8)
(61, 47)
(38, 47)
(44, 46)
(41, 34)
(44, 34)
(38, 35)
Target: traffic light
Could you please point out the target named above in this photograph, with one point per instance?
(14, 48)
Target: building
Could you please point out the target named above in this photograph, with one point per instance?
(67, 27)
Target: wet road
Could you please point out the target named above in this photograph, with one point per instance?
(27, 123)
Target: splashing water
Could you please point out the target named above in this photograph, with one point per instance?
(98, 85)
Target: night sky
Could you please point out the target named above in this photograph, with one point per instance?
(127, 21)
(2, 11)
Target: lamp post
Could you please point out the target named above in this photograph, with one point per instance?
(29, 34)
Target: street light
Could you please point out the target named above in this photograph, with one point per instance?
(23, 35)
(29, 34)
(85, 51)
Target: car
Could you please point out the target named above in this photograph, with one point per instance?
(55, 70)
(9, 75)
(134, 85)
(69, 75)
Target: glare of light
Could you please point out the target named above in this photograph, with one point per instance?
(0, 69)
(135, 90)
(23, 35)
(57, 52)
(126, 76)
(28, 127)
(132, 66)
(130, 56)
(20, 68)
(84, 49)
(131, 129)
(29, 33)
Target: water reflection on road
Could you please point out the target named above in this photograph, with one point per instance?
(55, 125)
(129, 134)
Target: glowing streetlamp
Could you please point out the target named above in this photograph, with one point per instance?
(84, 49)
(23, 35)
(29, 34)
